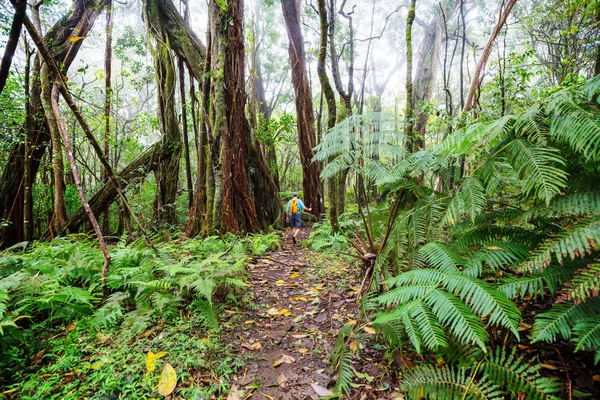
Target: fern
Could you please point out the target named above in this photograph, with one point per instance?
(575, 241)
(516, 376)
(446, 383)
(585, 285)
(458, 302)
(561, 319)
(493, 376)
(587, 333)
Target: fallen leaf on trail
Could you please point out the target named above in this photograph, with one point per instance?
(368, 329)
(353, 345)
(300, 298)
(283, 358)
(273, 311)
(596, 378)
(524, 327)
(549, 366)
(281, 379)
(167, 381)
(234, 394)
(280, 282)
(254, 346)
(299, 336)
(250, 321)
(151, 359)
(320, 287)
(206, 340)
(230, 312)
(302, 351)
(284, 312)
(75, 38)
(294, 275)
(320, 390)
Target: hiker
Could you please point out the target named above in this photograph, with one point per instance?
(294, 214)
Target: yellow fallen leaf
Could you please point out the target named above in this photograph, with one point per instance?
(205, 339)
(368, 329)
(151, 359)
(254, 346)
(273, 311)
(167, 381)
(300, 298)
(320, 287)
(494, 248)
(294, 275)
(353, 345)
(284, 312)
(302, 351)
(250, 321)
(596, 378)
(549, 366)
(283, 358)
(280, 282)
(75, 38)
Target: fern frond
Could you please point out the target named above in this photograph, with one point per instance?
(515, 376)
(587, 333)
(561, 319)
(585, 285)
(470, 201)
(442, 257)
(573, 242)
(537, 167)
(446, 383)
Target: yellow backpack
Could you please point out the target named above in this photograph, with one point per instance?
(293, 206)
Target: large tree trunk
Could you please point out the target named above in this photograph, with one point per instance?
(304, 108)
(331, 109)
(59, 207)
(80, 19)
(167, 171)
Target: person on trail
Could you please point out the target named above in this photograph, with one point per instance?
(294, 214)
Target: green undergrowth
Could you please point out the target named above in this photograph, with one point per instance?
(59, 338)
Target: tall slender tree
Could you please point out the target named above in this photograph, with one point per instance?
(304, 108)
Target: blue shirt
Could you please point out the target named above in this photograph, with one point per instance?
(300, 206)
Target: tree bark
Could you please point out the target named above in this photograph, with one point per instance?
(427, 63)
(107, 100)
(331, 108)
(186, 146)
(408, 112)
(68, 147)
(79, 19)
(13, 40)
(475, 81)
(304, 108)
(27, 188)
(59, 207)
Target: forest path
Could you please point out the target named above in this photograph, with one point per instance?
(288, 332)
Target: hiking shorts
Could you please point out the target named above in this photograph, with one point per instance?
(296, 220)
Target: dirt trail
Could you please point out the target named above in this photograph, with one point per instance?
(288, 336)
